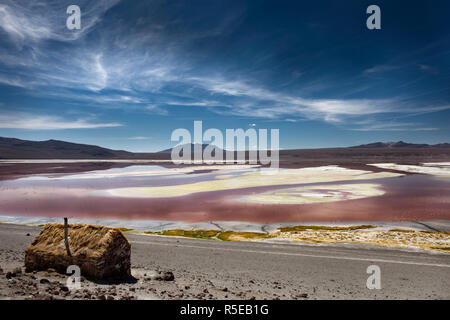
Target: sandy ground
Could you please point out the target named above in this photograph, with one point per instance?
(440, 169)
(315, 194)
(252, 179)
(206, 269)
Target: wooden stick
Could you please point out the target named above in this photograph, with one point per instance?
(66, 237)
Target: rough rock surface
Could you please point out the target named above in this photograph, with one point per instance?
(100, 252)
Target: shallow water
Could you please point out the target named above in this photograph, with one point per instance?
(411, 197)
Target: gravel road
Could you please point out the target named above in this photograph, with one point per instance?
(205, 269)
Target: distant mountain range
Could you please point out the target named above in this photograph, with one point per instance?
(401, 144)
(11, 148)
(186, 145)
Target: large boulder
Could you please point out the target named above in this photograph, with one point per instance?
(100, 252)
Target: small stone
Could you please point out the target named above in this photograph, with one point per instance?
(17, 271)
(41, 296)
(167, 276)
(43, 280)
(9, 275)
(28, 234)
(101, 297)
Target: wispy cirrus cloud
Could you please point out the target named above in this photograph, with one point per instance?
(382, 68)
(29, 121)
(12, 82)
(393, 126)
(260, 102)
(45, 20)
(151, 64)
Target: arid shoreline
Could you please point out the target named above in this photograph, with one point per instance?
(351, 158)
(218, 270)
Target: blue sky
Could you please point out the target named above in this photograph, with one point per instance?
(137, 70)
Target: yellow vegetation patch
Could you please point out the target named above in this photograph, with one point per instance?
(426, 240)
(445, 249)
(212, 234)
(328, 228)
(242, 236)
(405, 230)
(199, 234)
